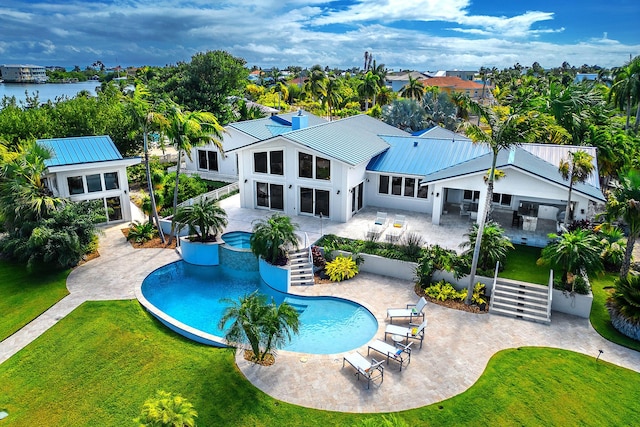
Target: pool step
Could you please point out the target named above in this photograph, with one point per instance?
(300, 269)
(300, 308)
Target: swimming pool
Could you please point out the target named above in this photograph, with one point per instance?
(191, 295)
(237, 239)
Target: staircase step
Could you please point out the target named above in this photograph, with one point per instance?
(536, 318)
(514, 284)
(301, 282)
(518, 295)
(519, 308)
(514, 301)
(529, 290)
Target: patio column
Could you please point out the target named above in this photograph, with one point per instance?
(482, 203)
(437, 204)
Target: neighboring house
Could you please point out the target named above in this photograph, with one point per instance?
(581, 77)
(90, 168)
(334, 169)
(464, 75)
(209, 163)
(396, 81)
(23, 73)
(456, 84)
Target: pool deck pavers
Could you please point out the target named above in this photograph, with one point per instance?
(456, 348)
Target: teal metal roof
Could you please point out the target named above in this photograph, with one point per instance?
(416, 155)
(82, 149)
(438, 132)
(272, 126)
(352, 140)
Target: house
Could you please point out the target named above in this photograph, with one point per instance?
(397, 81)
(90, 168)
(335, 169)
(464, 75)
(455, 84)
(23, 73)
(209, 163)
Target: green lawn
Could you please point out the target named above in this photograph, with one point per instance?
(599, 317)
(24, 296)
(521, 265)
(98, 365)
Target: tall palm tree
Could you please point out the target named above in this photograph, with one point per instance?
(624, 203)
(576, 168)
(381, 72)
(414, 89)
(503, 133)
(316, 86)
(187, 129)
(368, 88)
(461, 101)
(142, 111)
(332, 94)
(625, 90)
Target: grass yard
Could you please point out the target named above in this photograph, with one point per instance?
(24, 296)
(521, 265)
(98, 365)
(599, 317)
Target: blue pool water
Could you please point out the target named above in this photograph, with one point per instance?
(192, 294)
(237, 239)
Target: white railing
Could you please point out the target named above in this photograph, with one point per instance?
(495, 280)
(211, 176)
(308, 246)
(550, 293)
(215, 194)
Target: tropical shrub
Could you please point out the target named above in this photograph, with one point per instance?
(189, 186)
(272, 237)
(141, 232)
(443, 291)
(614, 245)
(479, 297)
(263, 325)
(411, 244)
(624, 305)
(341, 268)
(435, 258)
(167, 410)
(494, 247)
(205, 219)
(319, 260)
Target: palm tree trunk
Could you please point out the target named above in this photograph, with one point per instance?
(635, 126)
(154, 211)
(628, 112)
(628, 253)
(175, 198)
(568, 209)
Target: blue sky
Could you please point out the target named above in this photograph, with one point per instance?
(409, 34)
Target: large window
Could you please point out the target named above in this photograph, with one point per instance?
(269, 162)
(306, 167)
(409, 187)
(396, 185)
(502, 199)
(270, 195)
(423, 190)
(94, 183)
(323, 168)
(208, 160)
(260, 162)
(474, 196)
(313, 201)
(402, 186)
(75, 185)
(277, 162)
(383, 187)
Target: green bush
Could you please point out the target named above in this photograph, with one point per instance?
(443, 291)
(141, 232)
(341, 268)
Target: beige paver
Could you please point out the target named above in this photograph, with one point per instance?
(456, 349)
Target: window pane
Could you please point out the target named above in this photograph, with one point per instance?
(306, 200)
(276, 196)
(323, 168)
(506, 200)
(111, 181)
(409, 187)
(277, 166)
(496, 197)
(93, 183)
(202, 159)
(396, 185)
(423, 190)
(75, 185)
(305, 165)
(213, 160)
(260, 162)
(262, 194)
(383, 187)
(468, 194)
(114, 209)
(322, 203)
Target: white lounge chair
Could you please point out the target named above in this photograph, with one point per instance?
(400, 354)
(375, 230)
(414, 331)
(411, 311)
(398, 227)
(369, 370)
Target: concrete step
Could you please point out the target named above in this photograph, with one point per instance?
(522, 286)
(542, 305)
(519, 308)
(302, 282)
(520, 296)
(526, 316)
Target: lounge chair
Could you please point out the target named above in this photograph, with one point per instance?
(369, 370)
(411, 311)
(398, 227)
(414, 331)
(380, 224)
(400, 354)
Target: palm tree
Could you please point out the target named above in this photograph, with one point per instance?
(495, 245)
(205, 219)
(624, 203)
(332, 94)
(368, 88)
(316, 86)
(263, 325)
(577, 168)
(571, 252)
(272, 237)
(625, 90)
(167, 410)
(142, 113)
(414, 89)
(503, 134)
(461, 101)
(187, 129)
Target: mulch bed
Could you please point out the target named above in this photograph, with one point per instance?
(153, 243)
(269, 359)
(457, 305)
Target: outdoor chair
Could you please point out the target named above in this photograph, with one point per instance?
(380, 224)
(463, 209)
(398, 226)
(401, 333)
(369, 370)
(400, 354)
(411, 311)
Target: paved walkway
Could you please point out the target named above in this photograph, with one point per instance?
(456, 350)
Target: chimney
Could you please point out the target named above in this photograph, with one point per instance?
(300, 121)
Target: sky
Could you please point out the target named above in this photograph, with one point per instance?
(423, 35)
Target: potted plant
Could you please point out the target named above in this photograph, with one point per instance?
(272, 237)
(205, 220)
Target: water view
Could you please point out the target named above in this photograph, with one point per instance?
(47, 91)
